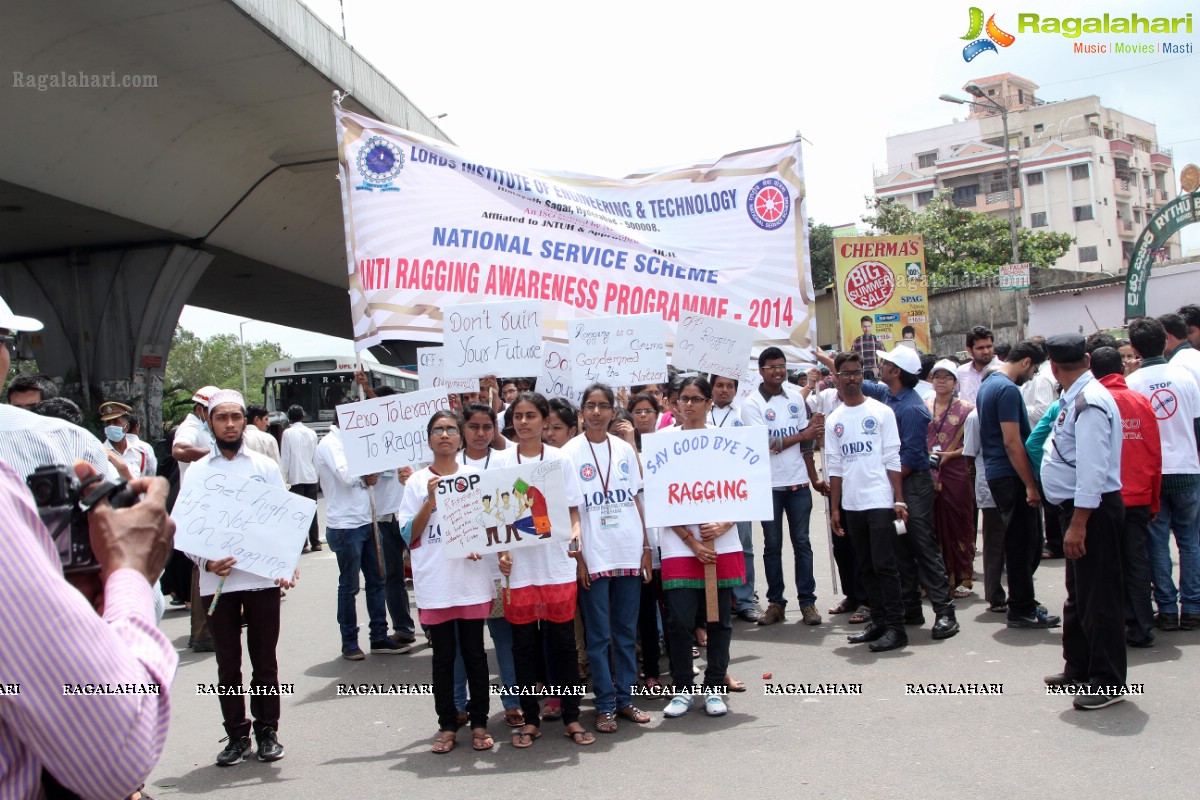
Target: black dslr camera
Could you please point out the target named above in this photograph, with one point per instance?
(63, 502)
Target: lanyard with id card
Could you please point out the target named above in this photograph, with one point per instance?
(610, 513)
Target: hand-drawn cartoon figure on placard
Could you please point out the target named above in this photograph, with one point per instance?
(491, 521)
(509, 511)
(537, 514)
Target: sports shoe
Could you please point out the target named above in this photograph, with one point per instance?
(403, 638)
(680, 704)
(269, 748)
(714, 706)
(389, 646)
(1038, 619)
(353, 653)
(234, 752)
(1061, 679)
(810, 614)
(1092, 702)
(773, 614)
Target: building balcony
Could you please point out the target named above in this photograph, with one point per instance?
(1120, 146)
(1125, 228)
(1122, 187)
(988, 202)
(1161, 157)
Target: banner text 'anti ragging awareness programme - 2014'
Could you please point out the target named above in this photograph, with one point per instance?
(429, 227)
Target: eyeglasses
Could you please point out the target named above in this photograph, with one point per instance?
(597, 407)
(445, 432)
(644, 412)
(687, 401)
(850, 373)
(942, 377)
(774, 368)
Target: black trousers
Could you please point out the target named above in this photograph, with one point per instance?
(918, 556)
(648, 610)
(1022, 544)
(874, 535)
(445, 648)
(682, 607)
(1135, 569)
(309, 490)
(993, 557)
(1049, 522)
(847, 567)
(1093, 616)
(529, 659)
(261, 609)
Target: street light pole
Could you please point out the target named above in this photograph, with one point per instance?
(242, 348)
(977, 92)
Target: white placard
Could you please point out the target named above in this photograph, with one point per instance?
(712, 345)
(555, 380)
(710, 475)
(429, 373)
(748, 385)
(619, 351)
(389, 432)
(499, 339)
(218, 514)
(502, 509)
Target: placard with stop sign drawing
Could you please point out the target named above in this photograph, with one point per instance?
(503, 508)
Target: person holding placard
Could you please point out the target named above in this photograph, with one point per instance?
(614, 554)
(456, 594)
(242, 596)
(542, 589)
(724, 414)
(862, 456)
(686, 550)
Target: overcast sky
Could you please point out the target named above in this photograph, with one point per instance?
(615, 87)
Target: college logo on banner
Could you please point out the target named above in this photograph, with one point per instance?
(379, 162)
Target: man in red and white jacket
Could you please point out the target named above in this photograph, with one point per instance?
(1141, 482)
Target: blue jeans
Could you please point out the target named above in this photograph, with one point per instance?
(797, 505)
(394, 591)
(501, 632)
(610, 614)
(355, 551)
(1178, 515)
(743, 596)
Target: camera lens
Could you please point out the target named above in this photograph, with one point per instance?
(42, 492)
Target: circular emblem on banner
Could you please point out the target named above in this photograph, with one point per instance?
(870, 285)
(379, 162)
(770, 415)
(838, 430)
(870, 424)
(1164, 403)
(460, 484)
(769, 204)
(587, 472)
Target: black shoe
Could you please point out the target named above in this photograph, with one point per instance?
(403, 638)
(269, 748)
(203, 647)
(389, 646)
(945, 626)
(1189, 622)
(893, 639)
(1092, 702)
(317, 548)
(234, 752)
(1038, 619)
(353, 653)
(1061, 679)
(748, 615)
(1147, 642)
(868, 634)
(1166, 622)
(917, 619)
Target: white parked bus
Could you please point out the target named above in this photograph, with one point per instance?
(321, 383)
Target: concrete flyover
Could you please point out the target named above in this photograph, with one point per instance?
(163, 152)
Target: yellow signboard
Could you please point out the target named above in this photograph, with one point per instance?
(882, 292)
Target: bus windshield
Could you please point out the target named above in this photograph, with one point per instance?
(317, 394)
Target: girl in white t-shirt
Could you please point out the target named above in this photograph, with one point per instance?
(455, 594)
(542, 579)
(614, 557)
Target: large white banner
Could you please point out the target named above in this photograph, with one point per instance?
(428, 226)
(709, 475)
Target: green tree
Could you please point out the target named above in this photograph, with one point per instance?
(194, 362)
(820, 253)
(963, 243)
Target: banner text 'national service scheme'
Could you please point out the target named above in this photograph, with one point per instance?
(428, 226)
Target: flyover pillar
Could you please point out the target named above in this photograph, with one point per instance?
(109, 317)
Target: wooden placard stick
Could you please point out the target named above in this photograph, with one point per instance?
(710, 592)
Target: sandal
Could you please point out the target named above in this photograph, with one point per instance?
(998, 608)
(522, 739)
(634, 714)
(605, 723)
(861, 616)
(445, 742)
(844, 607)
(695, 652)
(553, 709)
(962, 591)
(733, 684)
(482, 740)
(514, 717)
(653, 686)
(580, 737)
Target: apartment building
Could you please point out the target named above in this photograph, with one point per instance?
(1077, 167)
